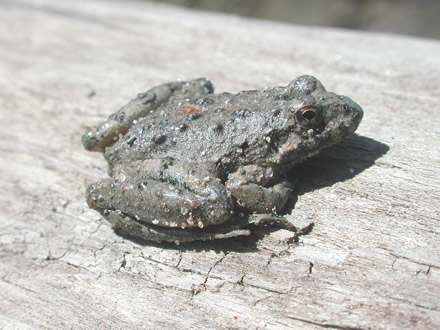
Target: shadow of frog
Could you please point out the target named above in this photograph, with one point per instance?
(337, 163)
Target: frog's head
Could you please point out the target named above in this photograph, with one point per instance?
(317, 120)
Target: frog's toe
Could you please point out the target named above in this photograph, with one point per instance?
(95, 195)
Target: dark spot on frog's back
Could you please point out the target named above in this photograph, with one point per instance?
(143, 185)
(204, 101)
(159, 138)
(131, 140)
(276, 112)
(194, 116)
(241, 113)
(218, 128)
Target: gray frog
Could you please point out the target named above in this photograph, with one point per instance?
(187, 164)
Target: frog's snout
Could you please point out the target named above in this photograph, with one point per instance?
(356, 115)
(349, 115)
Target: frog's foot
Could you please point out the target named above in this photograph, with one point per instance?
(145, 231)
(271, 219)
(254, 191)
(105, 134)
(278, 221)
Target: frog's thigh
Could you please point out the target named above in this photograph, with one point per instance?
(252, 188)
(163, 193)
(106, 133)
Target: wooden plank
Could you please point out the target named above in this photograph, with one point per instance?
(372, 259)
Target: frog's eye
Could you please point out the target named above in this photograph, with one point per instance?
(308, 116)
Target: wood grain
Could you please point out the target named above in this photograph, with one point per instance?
(372, 260)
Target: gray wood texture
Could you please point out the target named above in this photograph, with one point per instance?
(372, 260)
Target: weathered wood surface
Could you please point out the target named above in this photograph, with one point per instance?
(372, 260)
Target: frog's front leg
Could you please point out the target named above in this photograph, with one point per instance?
(258, 190)
(158, 199)
(105, 134)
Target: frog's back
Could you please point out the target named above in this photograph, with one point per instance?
(220, 130)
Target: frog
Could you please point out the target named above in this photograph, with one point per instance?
(188, 164)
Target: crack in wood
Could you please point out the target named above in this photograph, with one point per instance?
(324, 324)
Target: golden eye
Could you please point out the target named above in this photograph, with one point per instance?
(308, 116)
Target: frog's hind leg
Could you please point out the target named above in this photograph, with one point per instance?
(167, 198)
(106, 133)
(155, 210)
